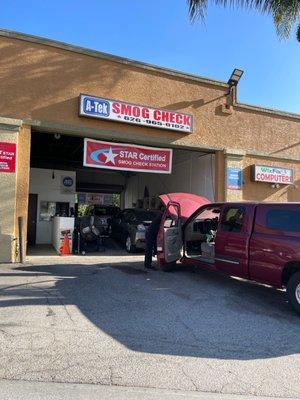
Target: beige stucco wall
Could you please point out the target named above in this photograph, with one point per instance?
(22, 183)
(261, 191)
(234, 161)
(220, 167)
(7, 204)
(43, 83)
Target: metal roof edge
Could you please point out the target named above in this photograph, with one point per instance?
(9, 124)
(273, 156)
(266, 110)
(98, 54)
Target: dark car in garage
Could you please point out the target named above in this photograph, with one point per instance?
(129, 227)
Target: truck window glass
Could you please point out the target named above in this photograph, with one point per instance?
(200, 234)
(171, 217)
(170, 221)
(232, 220)
(283, 220)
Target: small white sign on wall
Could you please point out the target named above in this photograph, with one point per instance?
(265, 173)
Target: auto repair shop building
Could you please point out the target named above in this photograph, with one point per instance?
(65, 111)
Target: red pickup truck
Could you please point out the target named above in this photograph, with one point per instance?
(255, 241)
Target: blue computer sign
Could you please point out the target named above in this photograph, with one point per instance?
(94, 106)
(234, 178)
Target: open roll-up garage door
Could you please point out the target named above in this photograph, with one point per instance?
(60, 174)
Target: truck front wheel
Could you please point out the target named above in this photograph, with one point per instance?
(293, 291)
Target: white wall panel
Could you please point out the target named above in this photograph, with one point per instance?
(48, 189)
(192, 172)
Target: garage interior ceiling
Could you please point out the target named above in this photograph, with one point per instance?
(67, 152)
(192, 171)
(49, 152)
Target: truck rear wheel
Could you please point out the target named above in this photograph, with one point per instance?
(293, 291)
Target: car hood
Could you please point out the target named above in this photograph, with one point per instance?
(189, 202)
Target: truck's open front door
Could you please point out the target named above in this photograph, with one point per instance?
(179, 207)
(169, 241)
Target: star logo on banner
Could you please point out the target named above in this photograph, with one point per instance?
(110, 156)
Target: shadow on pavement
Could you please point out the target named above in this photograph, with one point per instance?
(185, 313)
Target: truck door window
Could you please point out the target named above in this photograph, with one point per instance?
(283, 220)
(232, 220)
(171, 216)
(200, 234)
(171, 220)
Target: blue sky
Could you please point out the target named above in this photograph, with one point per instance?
(159, 32)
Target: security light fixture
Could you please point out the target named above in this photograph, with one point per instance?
(235, 77)
(275, 186)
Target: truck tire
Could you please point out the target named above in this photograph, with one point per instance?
(293, 291)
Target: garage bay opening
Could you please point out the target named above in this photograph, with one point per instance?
(95, 201)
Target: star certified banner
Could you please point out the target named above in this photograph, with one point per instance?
(126, 157)
(119, 111)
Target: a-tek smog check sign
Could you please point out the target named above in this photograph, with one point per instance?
(264, 173)
(115, 110)
(126, 157)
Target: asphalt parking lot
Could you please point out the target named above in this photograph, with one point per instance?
(102, 320)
